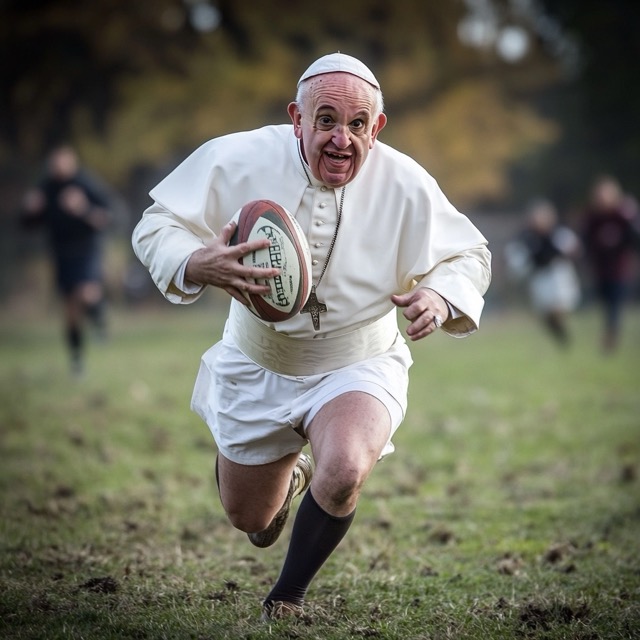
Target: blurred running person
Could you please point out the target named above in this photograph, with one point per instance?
(75, 212)
(543, 254)
(611, 234)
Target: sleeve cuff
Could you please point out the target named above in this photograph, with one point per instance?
(182, 284)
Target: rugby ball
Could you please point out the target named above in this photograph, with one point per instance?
(289, 252)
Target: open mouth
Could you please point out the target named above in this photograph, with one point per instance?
(337, 157)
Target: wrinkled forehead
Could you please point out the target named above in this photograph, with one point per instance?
(340, 91)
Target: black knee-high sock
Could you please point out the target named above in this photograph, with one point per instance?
(314, 537)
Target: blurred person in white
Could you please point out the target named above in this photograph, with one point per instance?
(543, 255)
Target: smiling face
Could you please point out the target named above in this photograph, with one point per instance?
(337, 123)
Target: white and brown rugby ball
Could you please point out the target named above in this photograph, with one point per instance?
(289, 252)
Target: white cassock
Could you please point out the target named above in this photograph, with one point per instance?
(398, 229)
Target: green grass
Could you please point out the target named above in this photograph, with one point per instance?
(511, 508)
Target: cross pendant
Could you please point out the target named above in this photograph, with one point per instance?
(315, 308)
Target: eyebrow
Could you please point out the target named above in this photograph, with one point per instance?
(363, 113)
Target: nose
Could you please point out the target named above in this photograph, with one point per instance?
(341, 136)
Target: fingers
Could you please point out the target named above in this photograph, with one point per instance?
(425, 310)
(237, 295)
(423, 325)
(223, 265)
(242, 249)
(226, 233)
(402, 300)
(252, 276)
(247, 272)
(242, 289)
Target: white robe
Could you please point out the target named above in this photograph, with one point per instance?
(398, 229)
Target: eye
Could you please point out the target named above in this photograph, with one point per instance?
(357, 125)
(325, 122)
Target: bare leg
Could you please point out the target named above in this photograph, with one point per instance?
(346, 437)
(252, 495)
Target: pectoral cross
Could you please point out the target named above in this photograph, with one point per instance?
(315, 308)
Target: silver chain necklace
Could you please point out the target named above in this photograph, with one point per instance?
(313, 306)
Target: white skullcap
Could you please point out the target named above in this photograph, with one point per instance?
(340, 62)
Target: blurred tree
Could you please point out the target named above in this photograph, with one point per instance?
(142, 86)
(68, 57)
(599, 107)
(137, 85)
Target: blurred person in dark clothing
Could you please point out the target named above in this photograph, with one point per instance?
(543, 254)
(611, 233)
(75, 211)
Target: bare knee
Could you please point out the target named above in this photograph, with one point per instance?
(248, 521)
(254, 513)
(338, 488)
(252, 495)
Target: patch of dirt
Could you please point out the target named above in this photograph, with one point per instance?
(510, 565)
(441, 534)
(64, 491)
(380, 562)
(542, 616)
(628, 473)
(106, 584)
(557, 553)
(560, 555)
(383, 523)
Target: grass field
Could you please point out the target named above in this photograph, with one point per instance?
(511, 508)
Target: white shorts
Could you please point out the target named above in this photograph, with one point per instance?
(257, 416)
(555, 287)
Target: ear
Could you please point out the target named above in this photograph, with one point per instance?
(296, 119)
(377, 128)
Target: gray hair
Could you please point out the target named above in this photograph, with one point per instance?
(303, 91)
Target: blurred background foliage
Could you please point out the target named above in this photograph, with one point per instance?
(501, 100)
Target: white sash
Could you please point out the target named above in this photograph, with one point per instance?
(303, 357)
